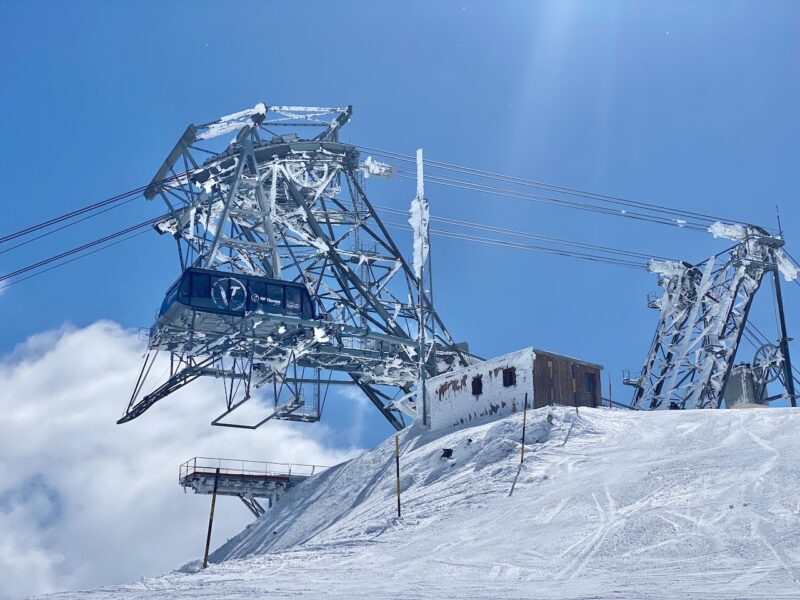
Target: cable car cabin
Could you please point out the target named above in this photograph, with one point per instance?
(211, 302)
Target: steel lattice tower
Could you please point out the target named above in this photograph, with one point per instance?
(277, 202)
(704, 313)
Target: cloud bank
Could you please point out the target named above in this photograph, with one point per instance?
(85, 502)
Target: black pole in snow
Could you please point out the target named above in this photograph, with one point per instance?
(524, 419)
(211, 519)
(784, 341)
(397, 468)
(574, 389)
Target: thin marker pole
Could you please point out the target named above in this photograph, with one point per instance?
(397, 469)
(610, 401)
(574, 390)
(524, 419)
(211, 519)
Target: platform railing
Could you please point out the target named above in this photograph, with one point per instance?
(253, 468)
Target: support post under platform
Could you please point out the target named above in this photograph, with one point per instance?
(211, 519)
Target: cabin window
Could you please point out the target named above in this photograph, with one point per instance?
(169, 299)
(293, 300)
(185, 293)
(307, 311)
(257, 295)
(509, 377)
(227, 294)
(235, 295)
(477, 385)
(201, 291)
(274, 298)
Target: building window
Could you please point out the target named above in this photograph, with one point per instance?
(509, 377)
(477, 385)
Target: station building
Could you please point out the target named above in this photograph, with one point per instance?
(499, 386)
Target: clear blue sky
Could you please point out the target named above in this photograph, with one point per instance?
(694, 105)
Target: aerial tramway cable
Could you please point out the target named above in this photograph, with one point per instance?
(595, 252)
(517, 245)
(107, 204)
(549, 187)
(73, 259)
(520, 195)
(48, 262)
(527, 235)
(80, 248)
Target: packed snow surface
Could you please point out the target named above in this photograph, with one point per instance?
(608, 504)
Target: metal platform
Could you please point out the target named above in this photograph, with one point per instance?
(245, 479)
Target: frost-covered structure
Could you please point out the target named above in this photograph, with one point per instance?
(704, 311)
(500, 386)
(284, 201)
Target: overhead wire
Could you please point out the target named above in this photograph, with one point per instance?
(52, 231)
(532, 248)
(120, 199)
(55, 220)
(527, 235)
(537, 198)
(111, 202)
(616, 200)
(70, 260)
(77, 249)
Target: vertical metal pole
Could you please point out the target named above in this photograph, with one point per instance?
(610, 401)
(784, 343)
(397, 469)
(211, 519)
(421, 299)
(524, 419)
(574, 390)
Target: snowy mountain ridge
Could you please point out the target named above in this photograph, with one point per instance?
(608, 504)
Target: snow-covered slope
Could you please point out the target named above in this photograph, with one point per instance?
(609, 504)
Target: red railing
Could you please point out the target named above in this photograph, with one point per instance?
(251, 468)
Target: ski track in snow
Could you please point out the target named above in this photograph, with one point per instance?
(608, 505)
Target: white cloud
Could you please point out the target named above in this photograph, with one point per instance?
(86, 502)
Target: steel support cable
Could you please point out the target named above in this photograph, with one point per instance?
(69, 215)
(517, 245)
(126, 196)
(479, 187)
(548, 186)
(57, 229)
(69, 260)
(440, 233)
(533, 236)
(80, 248)
(541, 249)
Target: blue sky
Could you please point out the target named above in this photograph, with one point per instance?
(687, 104)
(692, 105)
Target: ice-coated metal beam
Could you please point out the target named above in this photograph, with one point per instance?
(291, 206)
(703, 315)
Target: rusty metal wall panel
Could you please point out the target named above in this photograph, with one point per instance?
(552, 381)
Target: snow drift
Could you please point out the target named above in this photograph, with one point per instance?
(609, 504)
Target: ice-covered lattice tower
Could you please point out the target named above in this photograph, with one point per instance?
(263, 203)
(704, 314)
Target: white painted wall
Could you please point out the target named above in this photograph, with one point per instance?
(450, 396)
